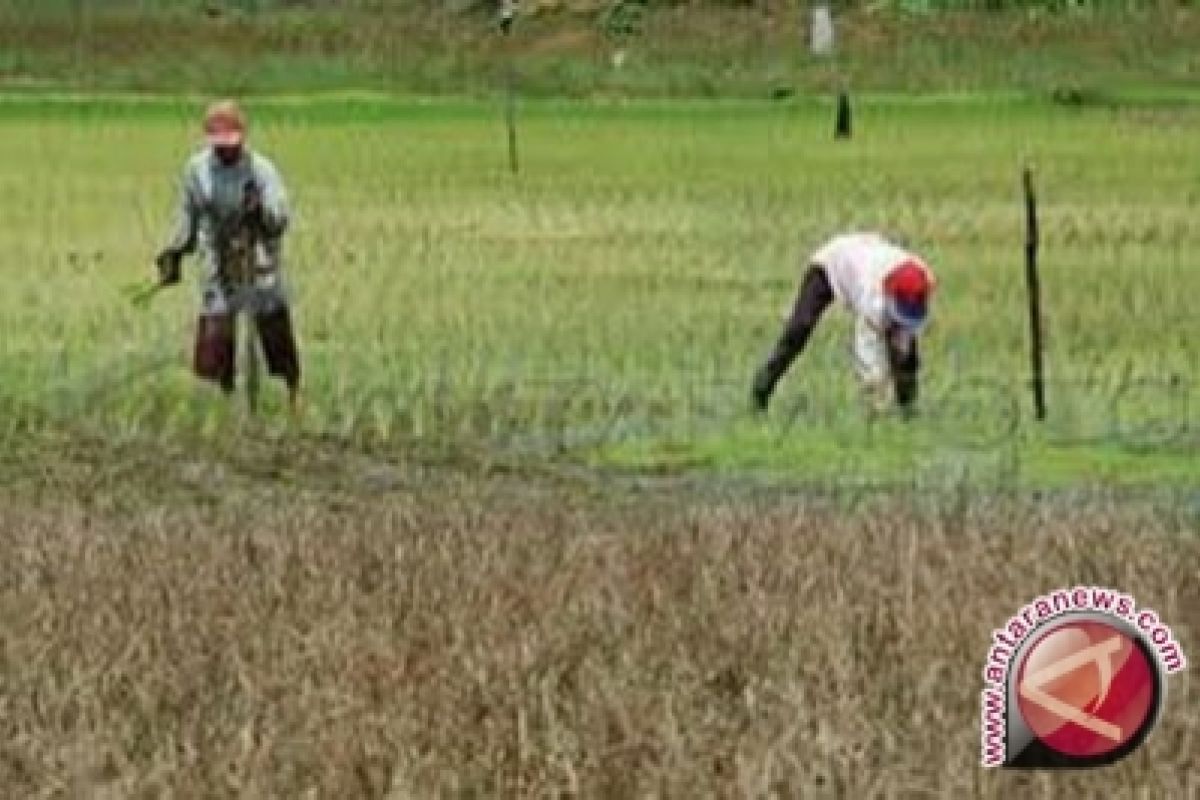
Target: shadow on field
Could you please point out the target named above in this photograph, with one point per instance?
(498, 638)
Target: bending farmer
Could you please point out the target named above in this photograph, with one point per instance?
(233, 210)
(887, 289)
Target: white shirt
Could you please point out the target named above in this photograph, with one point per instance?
(855, 265)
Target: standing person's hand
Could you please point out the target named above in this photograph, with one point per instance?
(168, 263)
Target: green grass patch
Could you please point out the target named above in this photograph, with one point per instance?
(693, 50)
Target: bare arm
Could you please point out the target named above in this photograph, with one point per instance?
(905, 363)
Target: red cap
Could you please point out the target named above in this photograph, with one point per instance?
(907, 288)
(908, 282)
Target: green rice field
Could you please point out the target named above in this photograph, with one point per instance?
(609, 303)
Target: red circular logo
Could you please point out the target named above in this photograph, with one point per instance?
(1086, 688)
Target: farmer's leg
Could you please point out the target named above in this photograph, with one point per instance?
(905, 363)
(814, 297)
(214, 354)
(279, 346)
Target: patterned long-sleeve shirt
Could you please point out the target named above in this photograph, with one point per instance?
(211, 202)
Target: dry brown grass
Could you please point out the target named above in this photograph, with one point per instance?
(497, 638)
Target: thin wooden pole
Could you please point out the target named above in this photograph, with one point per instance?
(1033, 287)
(507, 16)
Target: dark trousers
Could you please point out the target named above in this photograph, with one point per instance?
(814, 297)
(216, 337)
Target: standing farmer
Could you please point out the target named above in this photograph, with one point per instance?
(229, 190)
(887, 289)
